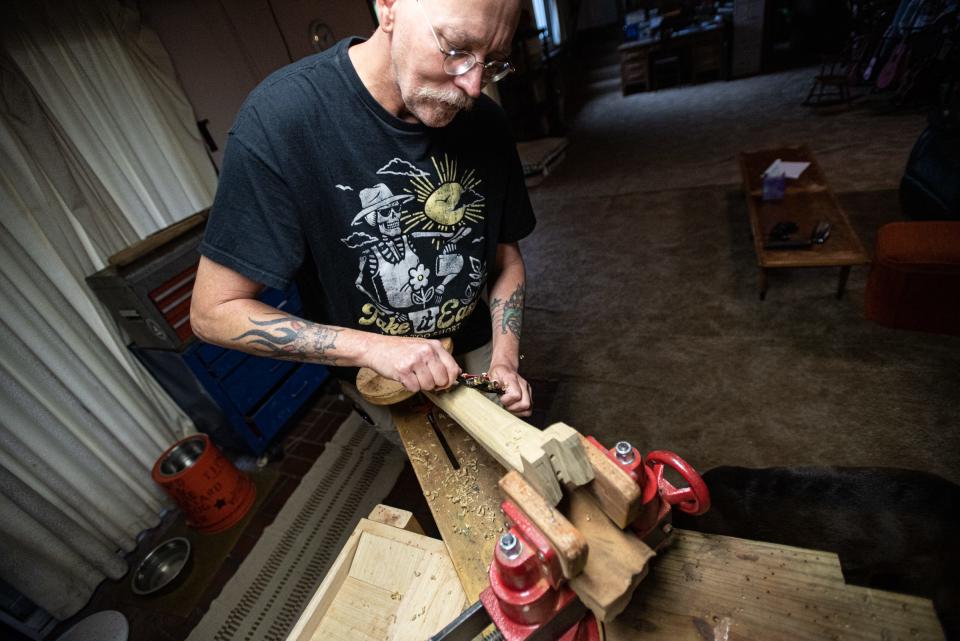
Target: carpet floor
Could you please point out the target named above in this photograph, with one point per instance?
(643, 300)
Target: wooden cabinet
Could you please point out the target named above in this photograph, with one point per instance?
(697, 56)
(748, 23)
(634, 67)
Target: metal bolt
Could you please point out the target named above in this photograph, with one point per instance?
(510, 545)
(667, 528)
(624, 452)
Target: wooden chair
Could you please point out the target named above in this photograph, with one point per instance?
(832, 85)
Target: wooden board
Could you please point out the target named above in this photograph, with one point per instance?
(516, 445)
(157, 239)
(566, 541)
(386, 584)
(616, 563)
(615, 492)
(465, 502)
(715, 587)
(567, 454)
(544, 458)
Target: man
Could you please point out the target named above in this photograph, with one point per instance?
(377, 177)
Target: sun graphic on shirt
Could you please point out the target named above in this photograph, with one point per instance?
(445, 203)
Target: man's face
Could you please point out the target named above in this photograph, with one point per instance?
(483, 27)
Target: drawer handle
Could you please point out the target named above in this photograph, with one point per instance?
(302, 387)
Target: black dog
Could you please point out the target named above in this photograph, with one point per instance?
(892, 529)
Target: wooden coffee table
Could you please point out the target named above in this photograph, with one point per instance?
(808, 200)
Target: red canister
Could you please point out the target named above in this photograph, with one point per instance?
(213, 494)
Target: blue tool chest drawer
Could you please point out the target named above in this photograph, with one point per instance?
(257, 395)
(239, 398)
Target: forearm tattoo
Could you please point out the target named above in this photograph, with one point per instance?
(510, 312)
(292, 338)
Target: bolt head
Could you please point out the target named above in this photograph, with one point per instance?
(508, 541)
(624, 451)
(510, 545)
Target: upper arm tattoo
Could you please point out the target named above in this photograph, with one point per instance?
(292, 338)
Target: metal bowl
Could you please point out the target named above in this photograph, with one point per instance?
(159, 568)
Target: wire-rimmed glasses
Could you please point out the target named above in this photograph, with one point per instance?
(457, 62)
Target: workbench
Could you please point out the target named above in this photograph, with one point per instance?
(701, 587)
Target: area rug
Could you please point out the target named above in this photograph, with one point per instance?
(265, 597)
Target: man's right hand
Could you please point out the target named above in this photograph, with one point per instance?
(420, 364)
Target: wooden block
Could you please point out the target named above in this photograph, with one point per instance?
(536, 466)
(395, 517)
(379, 390)
(617, 562)
(570, 460)
(515, 444)
(716, 587)
(567, 542)
(615, 492)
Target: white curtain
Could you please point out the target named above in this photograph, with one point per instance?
(98, 149)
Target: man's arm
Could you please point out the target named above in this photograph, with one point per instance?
(225, 311)
(506, 314)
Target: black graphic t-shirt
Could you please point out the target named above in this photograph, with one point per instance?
(385, 225)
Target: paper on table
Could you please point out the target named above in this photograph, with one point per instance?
(794, 169)
(791, 170)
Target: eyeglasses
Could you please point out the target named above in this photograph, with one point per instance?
(457, 62)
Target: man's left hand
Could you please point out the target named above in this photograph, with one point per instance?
(516, 397)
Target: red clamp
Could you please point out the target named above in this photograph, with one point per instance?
(528, 595)
(658, 494)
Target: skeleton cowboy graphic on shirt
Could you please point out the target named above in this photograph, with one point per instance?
(392, 273)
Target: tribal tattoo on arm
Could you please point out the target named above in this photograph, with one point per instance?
(510, 312)
(292, 338)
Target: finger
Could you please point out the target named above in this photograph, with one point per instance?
(522, 406)
(410, 381)
(511, 396)
(449, 364)
(425, 377)
(504, 381)
(441, 377)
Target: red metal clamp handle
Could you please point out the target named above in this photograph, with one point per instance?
(694, 499)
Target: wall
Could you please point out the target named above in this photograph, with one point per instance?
(597, 13)
(222, 48)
